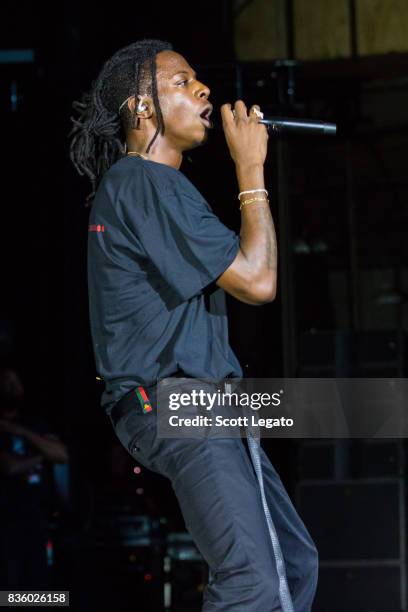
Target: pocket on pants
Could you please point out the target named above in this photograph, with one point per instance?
(136, 432)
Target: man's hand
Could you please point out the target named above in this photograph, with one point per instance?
(49, 445)
(247, 139)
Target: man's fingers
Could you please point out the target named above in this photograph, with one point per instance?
(240, 110)
(226, 114)
(255, 113)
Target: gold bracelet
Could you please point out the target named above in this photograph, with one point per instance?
(251, 200)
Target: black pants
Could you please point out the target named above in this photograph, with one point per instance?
(219, 497)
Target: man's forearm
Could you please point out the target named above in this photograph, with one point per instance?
(54, 450)
(252, 276)
(258, 236)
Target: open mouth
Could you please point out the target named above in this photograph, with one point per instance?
(205, 116)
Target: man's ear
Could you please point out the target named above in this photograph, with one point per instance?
(144, 107)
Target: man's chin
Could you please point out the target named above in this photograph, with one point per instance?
(201, 142)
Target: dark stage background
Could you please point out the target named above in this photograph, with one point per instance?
(342, 302)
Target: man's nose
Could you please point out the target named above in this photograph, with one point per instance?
(203, 91)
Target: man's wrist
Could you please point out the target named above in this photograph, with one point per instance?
(248, 168)
(250, 176)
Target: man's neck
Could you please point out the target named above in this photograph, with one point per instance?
(160, 152)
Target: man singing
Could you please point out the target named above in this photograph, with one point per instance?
(159, 261)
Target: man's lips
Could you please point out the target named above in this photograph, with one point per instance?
(205, 115)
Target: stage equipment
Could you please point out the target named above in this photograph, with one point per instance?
(359, 528)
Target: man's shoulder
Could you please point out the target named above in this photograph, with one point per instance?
(135, 190)
(132, 169)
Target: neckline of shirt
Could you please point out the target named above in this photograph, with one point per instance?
(151, 161)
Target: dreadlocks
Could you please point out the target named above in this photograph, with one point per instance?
(99, 132)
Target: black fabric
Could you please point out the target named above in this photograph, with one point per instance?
(215, 484)
(154, 305)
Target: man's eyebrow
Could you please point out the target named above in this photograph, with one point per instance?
(185, 72)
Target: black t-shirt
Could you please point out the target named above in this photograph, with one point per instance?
(155, 249)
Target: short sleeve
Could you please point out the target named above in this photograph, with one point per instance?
(185, 240)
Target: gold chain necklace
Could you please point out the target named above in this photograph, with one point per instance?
(138, 154)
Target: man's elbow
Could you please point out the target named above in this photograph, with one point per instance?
(59, 454)
(63, 456)
(264, 290)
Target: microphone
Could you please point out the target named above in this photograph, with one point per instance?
(299, 126)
